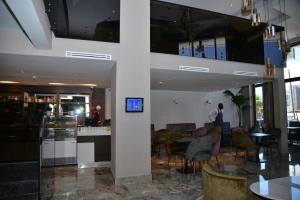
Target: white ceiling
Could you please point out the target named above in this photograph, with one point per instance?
(22, 68)
(197, 81)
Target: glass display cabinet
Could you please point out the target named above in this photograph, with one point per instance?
(59, 143)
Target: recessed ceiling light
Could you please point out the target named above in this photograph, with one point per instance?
(56, 83)
(161, 82)
(9, 82)
(75, 84)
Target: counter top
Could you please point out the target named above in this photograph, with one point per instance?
(93, 131)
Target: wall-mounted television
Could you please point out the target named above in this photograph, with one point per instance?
(133, 104)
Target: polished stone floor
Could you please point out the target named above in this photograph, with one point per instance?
(97, 183)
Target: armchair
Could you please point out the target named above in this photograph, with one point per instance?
(219, 186)
(165, 137)
(199, 150)
(215, 133)
(241, 141)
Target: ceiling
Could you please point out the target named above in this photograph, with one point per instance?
(22, 68)
(196, 81)
(40, 70)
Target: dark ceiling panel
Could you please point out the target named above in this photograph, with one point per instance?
(85, 19)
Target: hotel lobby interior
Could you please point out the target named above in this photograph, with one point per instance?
(149, 99)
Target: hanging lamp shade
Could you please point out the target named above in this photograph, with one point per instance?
(270, 67)
(246, 7)
(255, 17)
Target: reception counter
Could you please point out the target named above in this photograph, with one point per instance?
(93, 146)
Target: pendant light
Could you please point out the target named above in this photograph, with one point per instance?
(270, 67)
(255, 16)
(246, 7)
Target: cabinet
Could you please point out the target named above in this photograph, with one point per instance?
(59, 144)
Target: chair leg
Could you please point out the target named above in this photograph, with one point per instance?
(217, 160)
(158, 151)
(236, 153)
(194, 167)
(175, 161)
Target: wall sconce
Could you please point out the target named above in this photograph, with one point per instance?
(175, 101)
(208, 102)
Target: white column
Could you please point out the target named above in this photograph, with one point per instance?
(131, 157)
(280, 117)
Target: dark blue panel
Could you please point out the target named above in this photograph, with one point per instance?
(271, 49)
(209, 52)
(221, 52)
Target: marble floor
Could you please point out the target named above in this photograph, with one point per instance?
(97, 183)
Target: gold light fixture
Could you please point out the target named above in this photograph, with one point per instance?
(255, 17)
(269, 32)
(246, 7)
(270, 68)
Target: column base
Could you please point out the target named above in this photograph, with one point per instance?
(144, 179)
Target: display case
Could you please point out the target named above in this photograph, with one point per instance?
(59, 144)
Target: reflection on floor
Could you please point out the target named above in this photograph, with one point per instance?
(97, 183)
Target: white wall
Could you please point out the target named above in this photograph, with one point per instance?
(107, 103)
(191, 107)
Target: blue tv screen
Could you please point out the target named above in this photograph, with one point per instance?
(134, 105)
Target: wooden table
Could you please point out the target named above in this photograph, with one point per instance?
(286, 188)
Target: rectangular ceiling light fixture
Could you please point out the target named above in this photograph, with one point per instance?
(9, 82)
(245, 73)
(85, 55)
(74, 84)
(193, 69)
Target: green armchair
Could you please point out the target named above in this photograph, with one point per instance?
(219, 186)
(242, 141)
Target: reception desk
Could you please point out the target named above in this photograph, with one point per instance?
(93, 146)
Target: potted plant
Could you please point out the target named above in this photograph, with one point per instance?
(239, 100)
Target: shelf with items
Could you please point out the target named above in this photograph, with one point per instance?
(11, 98)
(40, 98)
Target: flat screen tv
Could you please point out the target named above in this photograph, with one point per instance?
(134, 104)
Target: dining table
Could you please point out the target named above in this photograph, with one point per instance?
(257, 136)
(285, 188)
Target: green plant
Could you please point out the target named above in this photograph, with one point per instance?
(239, 100)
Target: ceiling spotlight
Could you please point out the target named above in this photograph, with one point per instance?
(161, 82)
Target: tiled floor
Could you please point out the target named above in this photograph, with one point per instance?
(97, 183)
